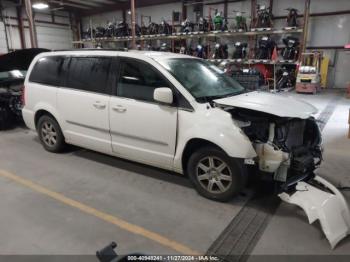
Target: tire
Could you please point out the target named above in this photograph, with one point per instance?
(50, 134)
(6, 118)
(203, 170)
(3, 118)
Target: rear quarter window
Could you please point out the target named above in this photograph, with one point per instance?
(47, 71)
(89, 74)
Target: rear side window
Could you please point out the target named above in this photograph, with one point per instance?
(137, 80)
(47, 71)
(88, 74)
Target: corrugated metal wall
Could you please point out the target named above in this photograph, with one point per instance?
(57, 35)
(3, 46)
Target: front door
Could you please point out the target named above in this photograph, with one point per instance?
(142, 129)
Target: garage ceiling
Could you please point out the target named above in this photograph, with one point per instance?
(83, 5)
(89, 7)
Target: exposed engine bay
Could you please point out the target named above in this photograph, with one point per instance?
(287, 148)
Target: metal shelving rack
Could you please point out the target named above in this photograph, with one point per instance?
(214, 35)
(198, 35)
(178, 36)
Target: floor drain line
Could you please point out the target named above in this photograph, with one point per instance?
(327, 113)
(240, 237)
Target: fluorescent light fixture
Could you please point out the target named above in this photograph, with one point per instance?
(40, 5)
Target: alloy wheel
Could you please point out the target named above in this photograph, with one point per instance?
(214, 175)
(49, 134)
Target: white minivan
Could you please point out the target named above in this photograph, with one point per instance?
(170, 111)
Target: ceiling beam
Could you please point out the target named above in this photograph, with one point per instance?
(126, 5)
(110, 2)
(69, 3)
(87, 3)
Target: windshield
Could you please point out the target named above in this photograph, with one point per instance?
(202, 79)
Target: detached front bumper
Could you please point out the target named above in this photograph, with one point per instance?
(324, 203)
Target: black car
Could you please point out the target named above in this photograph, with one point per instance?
(13, 69)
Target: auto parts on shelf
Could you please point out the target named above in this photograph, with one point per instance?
(292, 18)
(291, 51)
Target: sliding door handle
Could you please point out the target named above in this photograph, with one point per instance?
(99, 105)
(119, 108)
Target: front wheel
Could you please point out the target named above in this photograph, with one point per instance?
(215, 175)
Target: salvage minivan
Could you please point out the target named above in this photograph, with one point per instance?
(173, 112)
(183, 114)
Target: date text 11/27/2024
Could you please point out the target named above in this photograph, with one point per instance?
(170, 258)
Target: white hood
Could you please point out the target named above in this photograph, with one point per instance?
(271, 104)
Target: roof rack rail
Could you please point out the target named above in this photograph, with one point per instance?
(93, 49)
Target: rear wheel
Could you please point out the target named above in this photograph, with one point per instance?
(50, 134)
(215, 175)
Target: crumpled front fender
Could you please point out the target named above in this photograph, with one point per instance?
(330, 209)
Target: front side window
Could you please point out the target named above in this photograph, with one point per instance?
(203, 80)
(47, 71)
(137, 80)
(88, 74)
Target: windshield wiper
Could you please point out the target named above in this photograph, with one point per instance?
(207, 98)
(211, 98)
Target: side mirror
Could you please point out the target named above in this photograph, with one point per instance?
(163, 95)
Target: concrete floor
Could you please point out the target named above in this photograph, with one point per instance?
(155, 200)
(32, 222)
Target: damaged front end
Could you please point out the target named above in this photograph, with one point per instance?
(288, 151)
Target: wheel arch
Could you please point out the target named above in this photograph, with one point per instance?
(191, 146)
(40, 113)
(234, 144)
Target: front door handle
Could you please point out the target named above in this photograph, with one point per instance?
(99, 105)
(119, 108)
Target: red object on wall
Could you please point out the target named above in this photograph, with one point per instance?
(274, 56)
(265, 70)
